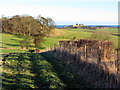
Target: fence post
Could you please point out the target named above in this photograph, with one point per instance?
(85, 52)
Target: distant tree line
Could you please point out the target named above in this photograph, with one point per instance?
(29, 27)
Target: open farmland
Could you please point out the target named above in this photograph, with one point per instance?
(13, 41)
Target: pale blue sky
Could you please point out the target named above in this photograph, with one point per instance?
(65, 11)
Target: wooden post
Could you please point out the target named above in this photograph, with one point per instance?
(99, 54)
(85, 52)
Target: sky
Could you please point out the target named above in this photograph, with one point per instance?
(65, 12)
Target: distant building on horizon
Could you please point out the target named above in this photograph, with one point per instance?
(78, 25)
(82, 26)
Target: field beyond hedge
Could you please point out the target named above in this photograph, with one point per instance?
(13, 41)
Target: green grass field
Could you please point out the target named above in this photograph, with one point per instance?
(112, 30)
(13, 41)
(42, 70)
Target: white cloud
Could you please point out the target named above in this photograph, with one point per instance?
(61, 14)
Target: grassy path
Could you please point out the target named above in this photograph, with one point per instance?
(64, 72)
(39, 70)
(29, 71)
(16, 72)
(45, 74)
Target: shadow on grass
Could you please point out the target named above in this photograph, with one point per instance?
(12, 45)
(18, 45)
(15, 81)
(82, 74)
(16, 72)
(73, 75)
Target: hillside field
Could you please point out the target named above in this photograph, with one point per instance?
(12, 42)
